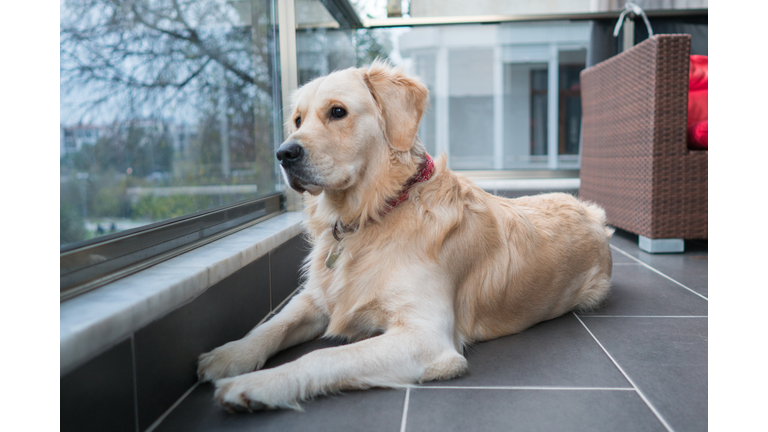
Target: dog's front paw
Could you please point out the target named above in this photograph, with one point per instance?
(228, 360)
(255, 392)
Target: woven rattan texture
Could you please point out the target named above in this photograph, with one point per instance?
(635, 161)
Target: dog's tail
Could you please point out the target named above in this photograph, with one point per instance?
(594, 291)
(596, 213)
(597, 282)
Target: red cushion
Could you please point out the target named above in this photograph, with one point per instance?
(698, 108)
(698, 103)
(698, 136)
(698, 77)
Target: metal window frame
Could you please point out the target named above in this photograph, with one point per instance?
(87, 265)
(498, 19)
(343, 12)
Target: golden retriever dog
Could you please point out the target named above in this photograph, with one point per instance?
(410, 260)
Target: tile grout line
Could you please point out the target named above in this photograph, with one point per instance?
(272, 312)
(173, 407)
(640, 393)
(644, 316)
(405, 409)
(135, 383)
(289, 296)
(527, 388)
(657, 271)
(269, 263)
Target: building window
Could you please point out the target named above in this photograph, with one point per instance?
(569, 110)
(539, 112)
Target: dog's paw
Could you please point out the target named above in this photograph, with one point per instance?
(228, 360)
(447, 365)
(255, 391)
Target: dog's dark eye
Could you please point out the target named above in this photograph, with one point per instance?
(298, 122)
(338, 112)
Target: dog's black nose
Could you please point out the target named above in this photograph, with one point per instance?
(289, 152)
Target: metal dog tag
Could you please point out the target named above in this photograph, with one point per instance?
(333, 255)
(331, 260)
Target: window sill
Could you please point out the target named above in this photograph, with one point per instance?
(543, 185)
(94, 322)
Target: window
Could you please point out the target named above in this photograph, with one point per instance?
(170, 112)
(568, 115)
(168, 108)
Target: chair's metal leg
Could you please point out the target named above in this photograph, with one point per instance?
(661, 245)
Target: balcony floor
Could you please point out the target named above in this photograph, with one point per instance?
(637, 364)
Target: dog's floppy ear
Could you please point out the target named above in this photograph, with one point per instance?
(401, 101)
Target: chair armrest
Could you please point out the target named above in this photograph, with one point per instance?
(636, 103)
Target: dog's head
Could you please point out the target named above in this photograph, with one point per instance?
(342, 127)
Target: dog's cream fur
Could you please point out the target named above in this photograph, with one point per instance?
(449, 266)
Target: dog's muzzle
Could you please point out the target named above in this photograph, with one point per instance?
(292, 158)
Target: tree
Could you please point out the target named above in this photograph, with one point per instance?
(153, 52)
(193, 62)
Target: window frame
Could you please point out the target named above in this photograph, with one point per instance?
(89, 264)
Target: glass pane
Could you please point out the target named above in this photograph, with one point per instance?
(167, 108)
(312, 14)
(572, 124)
(477, 75)
(470, 107)
(539, 126)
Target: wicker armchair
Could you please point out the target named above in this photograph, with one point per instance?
(635, 160)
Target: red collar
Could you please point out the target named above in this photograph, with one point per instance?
(427, 169)
(424, 174)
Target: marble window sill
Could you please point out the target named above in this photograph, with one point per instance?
(542, 185)
(96, 321)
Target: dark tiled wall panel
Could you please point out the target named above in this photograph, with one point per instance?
(167, 350)
(98, 396)
(285, 262)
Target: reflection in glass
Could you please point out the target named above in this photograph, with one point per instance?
(490, 85)
(167, 108)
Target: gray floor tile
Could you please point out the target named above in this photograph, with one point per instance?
(636, 290)
(528, 410)
(689, 268)
(297, 351)
(370, 410)
(558, 353)
(205, 415)
(666, 358)
(620, 258)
